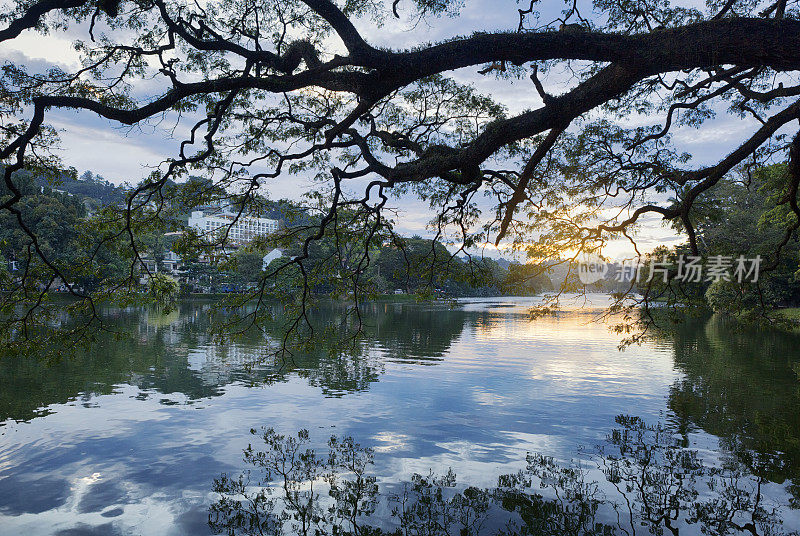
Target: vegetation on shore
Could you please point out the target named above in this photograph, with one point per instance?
(67, 224)
(738, 219)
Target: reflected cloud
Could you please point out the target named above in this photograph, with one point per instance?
(642, 478)
(158, 415)
(387, 441)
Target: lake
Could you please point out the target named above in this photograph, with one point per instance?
(130, 437)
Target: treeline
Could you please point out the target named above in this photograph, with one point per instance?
(746, 218)
(57, 213)
(418, 266)
(70, 221)
(51, 215)
(93, 188)
(407, 265)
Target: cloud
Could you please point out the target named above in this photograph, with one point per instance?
(120, 154)
(46, 50)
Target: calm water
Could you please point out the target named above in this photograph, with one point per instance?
(129, 438)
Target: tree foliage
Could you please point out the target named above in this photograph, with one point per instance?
(295, 88)
(740, 217)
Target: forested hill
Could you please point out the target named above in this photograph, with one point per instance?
(88, 185)
(96, 188)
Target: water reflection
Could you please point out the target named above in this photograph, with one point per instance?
(126, 439)
(742, 386)
(173, 354)
(651, 484)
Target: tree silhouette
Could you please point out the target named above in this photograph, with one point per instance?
(293, 87)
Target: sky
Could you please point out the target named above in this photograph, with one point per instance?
(127, 154)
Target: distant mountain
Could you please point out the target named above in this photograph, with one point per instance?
(504, 264)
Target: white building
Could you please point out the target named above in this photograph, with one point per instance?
(171, 263)
(243, 230)
(269, 257)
